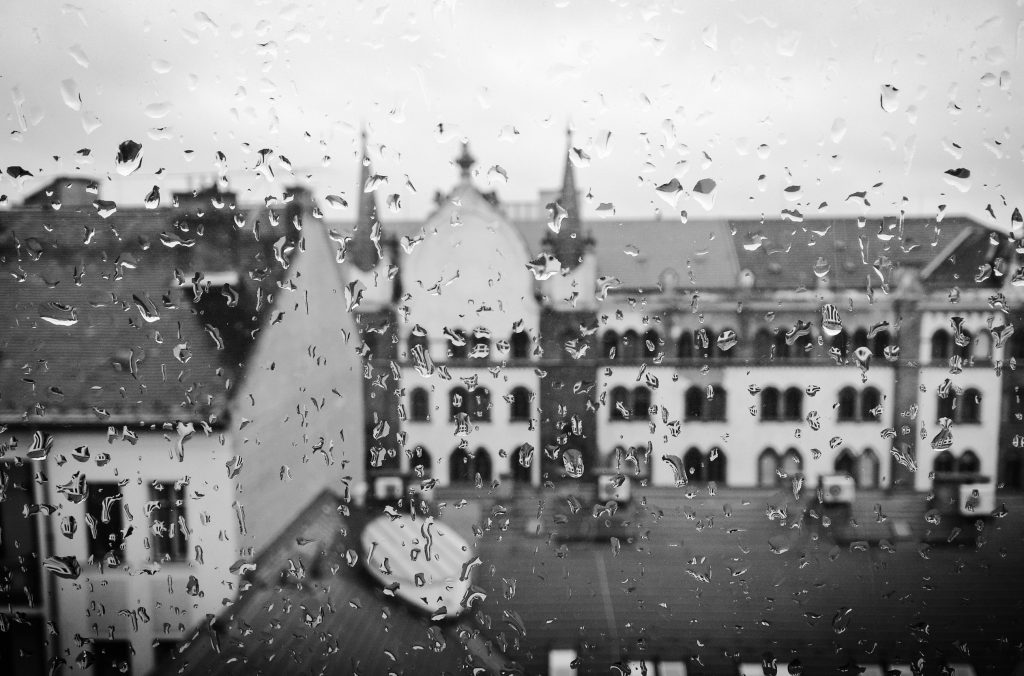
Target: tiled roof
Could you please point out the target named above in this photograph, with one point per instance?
(783, 255)
(94, 326)
(305, 610)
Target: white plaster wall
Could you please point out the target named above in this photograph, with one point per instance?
(95, 599)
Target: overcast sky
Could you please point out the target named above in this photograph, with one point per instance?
(793, 91)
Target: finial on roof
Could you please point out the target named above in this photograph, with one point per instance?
(465, 161)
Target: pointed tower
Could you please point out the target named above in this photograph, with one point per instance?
(568, 320)
(363, 248)
(568, 245)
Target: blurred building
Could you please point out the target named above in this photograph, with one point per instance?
(131, 492)
(747, 353)
(177, 383)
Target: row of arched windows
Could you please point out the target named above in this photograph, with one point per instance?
(702, 467)
(465, 466)
(784, 405)
(775, 469)
(960, 407)
(863, 468)
(858, 406)
(769, 344)
(967, 463)
(477, 404)
(474, 345)
(946, 344)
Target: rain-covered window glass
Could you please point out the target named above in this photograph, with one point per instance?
(533, 338)
(419, 405)
(104, 518)
(168, 525)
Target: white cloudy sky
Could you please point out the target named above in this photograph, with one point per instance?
(728, 91)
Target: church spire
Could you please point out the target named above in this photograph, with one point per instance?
(567, 244)
(465, 162)
(363, 248)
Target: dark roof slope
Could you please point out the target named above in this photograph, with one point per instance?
(97, 327)
(305, 610)
(779, 254)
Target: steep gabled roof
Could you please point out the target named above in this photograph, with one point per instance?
(328, 616)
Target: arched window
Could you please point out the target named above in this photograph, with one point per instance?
(418, 341)
(519, 406)
(519, 473)
(870, 399)
(803, 347)
(520, 345)
(419, 405)
(841, 344)
(480, 404)
(458, 399)
(792, 463)
(631, 345)
(944, 462)
(767, 464)
(716, 405)
(881, 341)
(465, 467)
(868, 467)
(636, 461)
(457, 348)
(968, 463)
(970, 406)
(846, 463)
(860, 338)
(619, 408)
(941, 345)
(685, 347)
(847, 400)
(482, 464)
(783, 350)
(610, 345)
(763, 345)
(716, 466)
(693, 464)
(693, 404)
(481, 346)
(641, 403)
(460, 466)
(769, 404)
(421, 462)
(793, 404)
(946, 406)
(652, 343)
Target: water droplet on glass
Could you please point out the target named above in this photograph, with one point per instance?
(152, 200)
(129, 157)
(572, 460)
